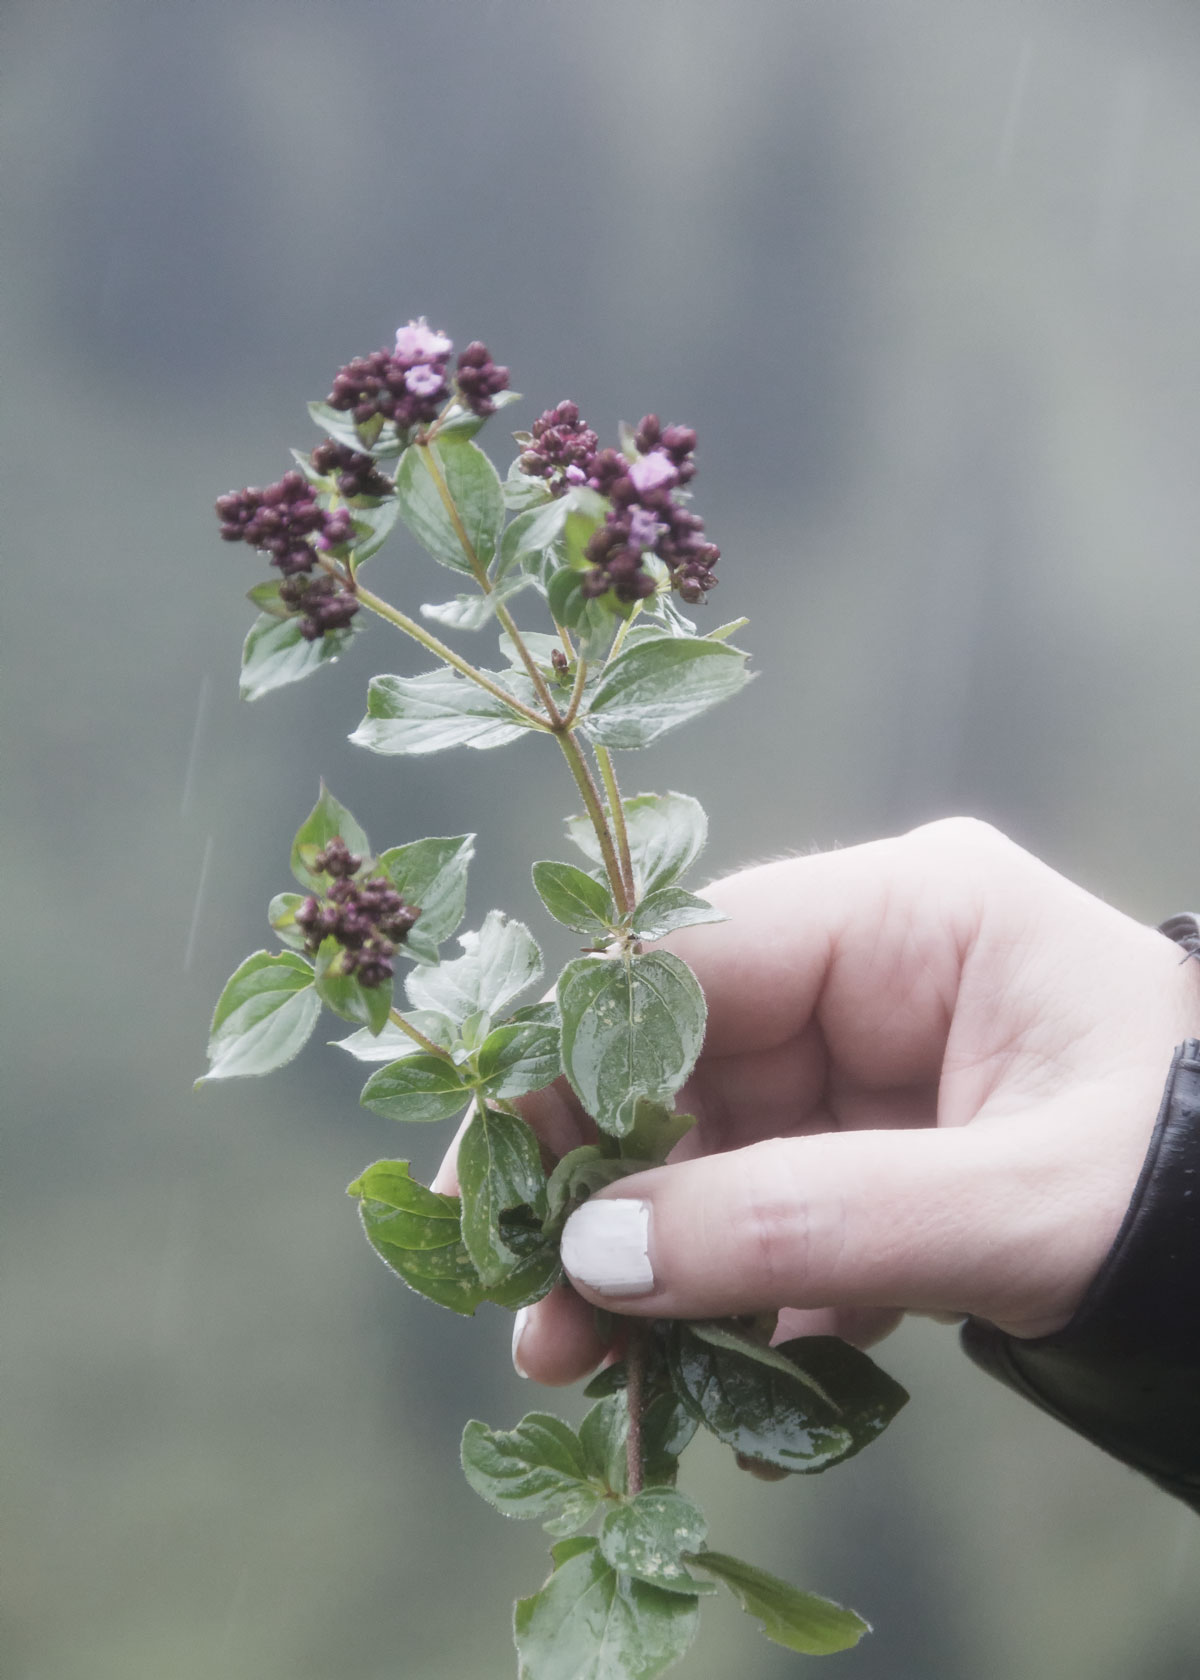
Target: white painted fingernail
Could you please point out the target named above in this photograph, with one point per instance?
(606, 1246)
(519, 1323)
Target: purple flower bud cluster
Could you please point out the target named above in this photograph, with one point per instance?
(323, 602)
(479, 380)
(367, 918)
(410, 383)
(645, 517)
(562, 448)
(356, 475)
(286, 521)
(281, 520)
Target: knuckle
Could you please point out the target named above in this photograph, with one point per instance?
(967, 836)
(782, 1245)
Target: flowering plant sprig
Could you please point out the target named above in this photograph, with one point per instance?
(604, 543)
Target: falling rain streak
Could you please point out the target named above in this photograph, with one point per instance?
(1015, 112)
(189, 775)
(190, 948)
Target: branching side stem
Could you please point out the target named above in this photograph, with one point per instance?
(434, 468)
(617, 812)
(384, 609)
(590, 795)
(418, 1037)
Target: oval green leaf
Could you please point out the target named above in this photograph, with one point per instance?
(576, 900)
(632, 1029)
(275, 654)
(588, 1624)
(418, 1088)
(264, 1016)
(472, 484)
(797, 1620)
(659, 684)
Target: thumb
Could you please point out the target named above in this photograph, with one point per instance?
(959, 1220)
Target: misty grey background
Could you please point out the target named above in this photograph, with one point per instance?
(925, 278)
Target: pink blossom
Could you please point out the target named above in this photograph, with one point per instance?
(424, 381)
(653, 471)
(418, 338)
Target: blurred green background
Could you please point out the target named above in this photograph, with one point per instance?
(925, 278)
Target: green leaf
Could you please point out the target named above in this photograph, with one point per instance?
(587, 1623)
(667, 1428)
(281, 913)
(373, 525)
(521, 491)
(500, 961)
(373, 439)
(432, 874)
(727, 1340)
(409, 1215)
(534, 1470)
(275, 654)
(531, 542)
(655, 1131)
(345, 994)
(801, 1407)
(416, 1231)
(464, 422)
(328, 820)
(632, 1029)
(564, 1550)
(798, 1620)
(520, 1056)
(564, 594)
(602, 1434)
(723, 631)
(670, 908)
(474, 488)
(667, 832)
(473, 612)
(573, 898)
(499, 1169)
(438, 709)
(579, 1174)
(420, 1087)
(656, 685)
(264, 1016)
(648, 1536)
(535, 1267)
(393, 1042)
(266, 597)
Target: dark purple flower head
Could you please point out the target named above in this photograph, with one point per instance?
(479, 379)
(645, 517)
(367, 918)
(562, 449)
(355, 474)
(323, 603)
(407, 385)
(284, 521)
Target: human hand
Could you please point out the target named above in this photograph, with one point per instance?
(931, 1070)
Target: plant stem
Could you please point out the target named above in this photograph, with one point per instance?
(617, 812)
(434, 468)
(418, 1037)
(531, 665)
(411, 628)
(572, 710)
(590, 794)
(635, 1365)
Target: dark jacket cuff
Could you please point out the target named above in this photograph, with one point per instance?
(1125, 1372)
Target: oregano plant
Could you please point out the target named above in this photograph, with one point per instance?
(599, 554)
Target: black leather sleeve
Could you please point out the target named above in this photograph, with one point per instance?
(1125, 1372)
